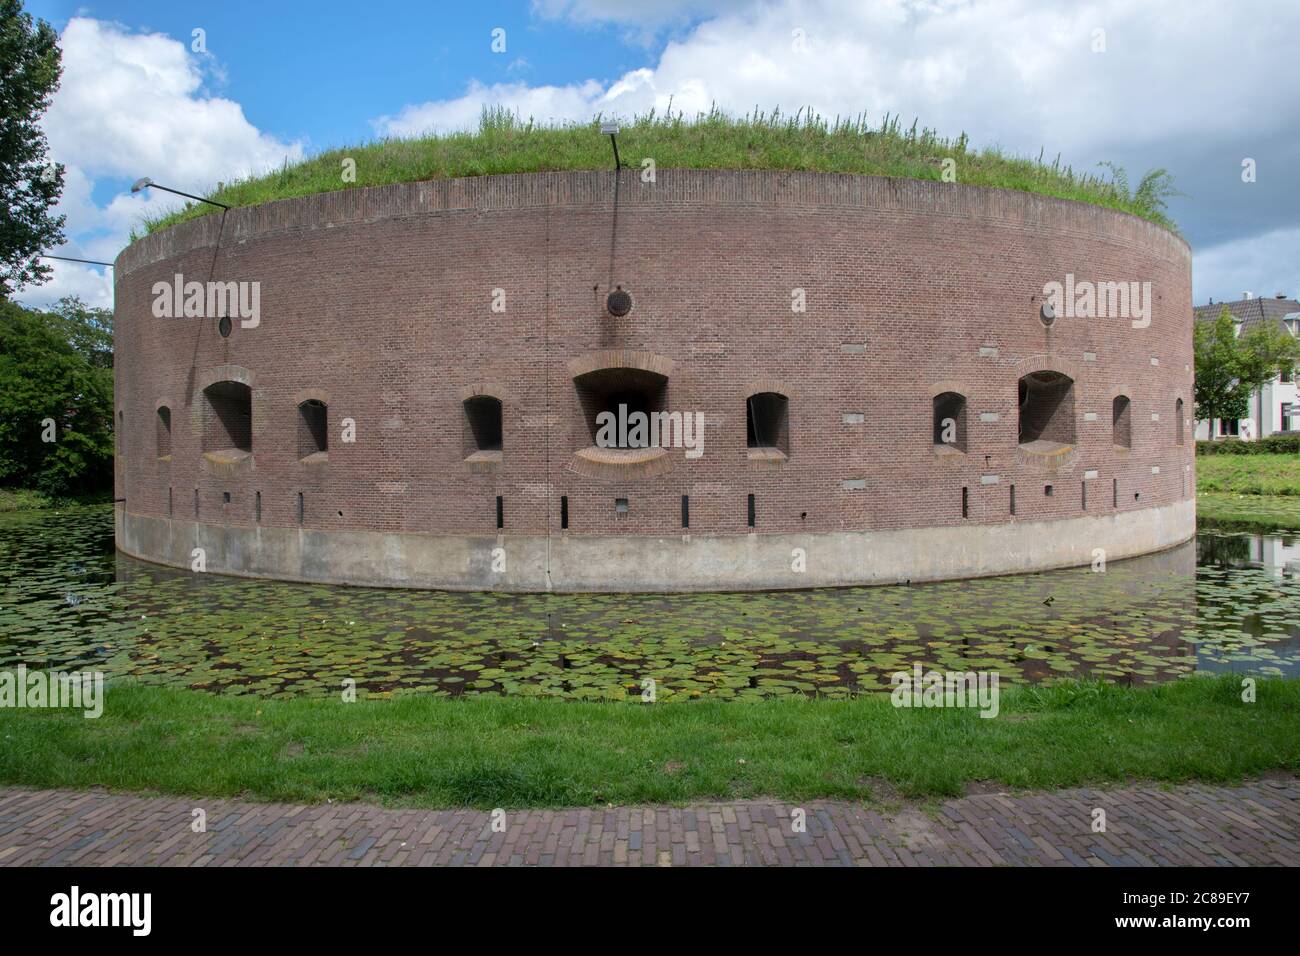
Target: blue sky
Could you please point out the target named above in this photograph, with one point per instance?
(283, 80)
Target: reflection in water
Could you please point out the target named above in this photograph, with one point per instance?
(66, 599)
(1262, 626)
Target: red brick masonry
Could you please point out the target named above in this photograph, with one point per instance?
(379, 303)
(1256, 824)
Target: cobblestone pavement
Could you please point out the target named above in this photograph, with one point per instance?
(1257, 823)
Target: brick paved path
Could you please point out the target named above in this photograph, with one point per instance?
(1258, 823)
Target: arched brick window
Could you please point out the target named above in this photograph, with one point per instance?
(1178, 421)
(610, 396)
(227, 417)
(163, 431)
(767, 422)
(483, 415)
(949, 420)
(1046, 411)
(313, 428)
(1121, 427)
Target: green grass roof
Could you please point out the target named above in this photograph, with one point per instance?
(504, 143)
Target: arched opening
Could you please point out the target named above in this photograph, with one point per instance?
(313, 428)
(1046, 401)
(949, 420)
(228, 418)
(483, 415)
(611, 400)
(767, 423)
(163, 432)
(1121, 428)
(1178, 421)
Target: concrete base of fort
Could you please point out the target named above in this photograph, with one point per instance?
(687, 562)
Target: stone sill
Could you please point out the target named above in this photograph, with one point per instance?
(227, 456)
(484, 460)
(766, 454)
(1046, 449)
(596, 462)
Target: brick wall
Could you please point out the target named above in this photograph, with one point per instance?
(381, 299)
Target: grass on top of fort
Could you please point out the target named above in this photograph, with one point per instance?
(505, 143)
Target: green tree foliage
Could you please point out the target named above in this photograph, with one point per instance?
(1229, 367)
(29, 183)
(56, 367)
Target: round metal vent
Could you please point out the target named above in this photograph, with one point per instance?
(619, 303)
(1047, 313)
(223, 326)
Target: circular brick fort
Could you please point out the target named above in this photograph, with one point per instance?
(884, 387)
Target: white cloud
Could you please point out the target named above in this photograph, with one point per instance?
(130, 105)
(133, 104)
(1019, 74)
(551, 104)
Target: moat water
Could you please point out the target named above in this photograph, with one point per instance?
(1225, 602)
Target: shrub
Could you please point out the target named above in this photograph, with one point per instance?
(1283, 443)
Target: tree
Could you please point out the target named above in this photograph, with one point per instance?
(1230, 367)
(30, 184)
(56, 399)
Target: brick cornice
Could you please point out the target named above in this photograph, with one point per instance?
(718, 187)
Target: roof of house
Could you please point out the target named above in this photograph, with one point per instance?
(1250, 312)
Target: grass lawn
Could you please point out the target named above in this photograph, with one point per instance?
(504, 143)
(1249, 474)
(509, 752)
(1258, 493)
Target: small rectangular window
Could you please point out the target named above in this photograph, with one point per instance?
(751, 511)
(1083, 494)
(620, 506)
(686, 511)
(1013, 499)
(169, 502)
(257, 506)
(196, 502)
(1114, 492)
(564, 512)
(1047, 490)
(501, 512)
(965, 502)
(225, 497)
(301, 507)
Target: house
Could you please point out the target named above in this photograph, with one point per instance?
(1276, 407)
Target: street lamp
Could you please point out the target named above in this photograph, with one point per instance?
(611, 130)
(145, 182)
